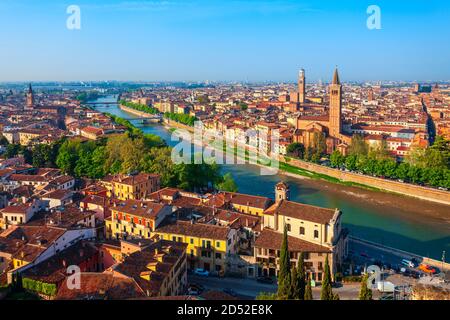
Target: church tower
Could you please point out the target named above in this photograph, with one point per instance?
(282, 191)
(301, 86)
(30, 98)
(335, 125)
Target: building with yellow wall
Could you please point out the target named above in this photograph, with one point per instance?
(239, 202)
(159, 268)
(132, 187)
(315, 231)
(207, 245)
(135, 219)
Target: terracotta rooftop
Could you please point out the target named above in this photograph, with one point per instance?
(301, 211)
(101, 286)
(270, 239)
(139, 208)
(200, 230)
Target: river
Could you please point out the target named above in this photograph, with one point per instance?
(405, 223)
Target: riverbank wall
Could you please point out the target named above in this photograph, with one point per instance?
(402, 188)
(173, 124)
(134, 111)
(445, 266)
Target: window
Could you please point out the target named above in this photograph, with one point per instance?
(316, 234)
(288, 226)
(218, 244)
(302, 231)
(174, 238)
(192, 240)
(218, 255)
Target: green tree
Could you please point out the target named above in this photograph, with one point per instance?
(3, 140)
(364, 292)
(296, 150)
(358, 145)
(319, 144)
(350, 162)
(266, 296)
(228, 184)
(301, 276)
(12, 150)
(326, 292)
(294, 290)
(402, 171)
(337, 160)
(284, 273)
(308, 290)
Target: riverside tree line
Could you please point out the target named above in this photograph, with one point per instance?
(424, 166)
(178, 117)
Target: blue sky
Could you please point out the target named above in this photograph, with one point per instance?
(224, 40)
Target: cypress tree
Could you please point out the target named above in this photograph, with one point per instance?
(294, 292)
(327, 292)
(284, 275)
(301, 278)
(308, 290)
(365, 293)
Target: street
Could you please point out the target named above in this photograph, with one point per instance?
(249, 288)
(244, 287)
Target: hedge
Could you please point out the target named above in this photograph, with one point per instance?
(48, 289)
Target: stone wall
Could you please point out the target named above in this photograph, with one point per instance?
(406, 189)
(134, 111)
(174, 124)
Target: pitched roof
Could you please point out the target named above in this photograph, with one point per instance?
(336, 77)
(270, 239)
(199, 230)
(139, 208)
(100, 286)
(301, 211)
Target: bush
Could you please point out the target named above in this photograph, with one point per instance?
(48, 289)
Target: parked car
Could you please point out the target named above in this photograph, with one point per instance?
(229, 291)
(427, 269)
(201, 272)
(267, 280)
(408, 263)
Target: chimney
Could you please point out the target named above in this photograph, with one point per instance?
(64, 263)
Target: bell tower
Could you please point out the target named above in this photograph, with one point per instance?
(335, 124)
(30, 98)
(282, 191)
(301, 86)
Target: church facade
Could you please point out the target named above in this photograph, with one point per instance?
(328, 125)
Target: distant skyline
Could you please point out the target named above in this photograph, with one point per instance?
(234, 40)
